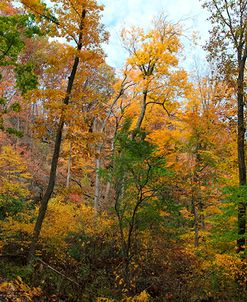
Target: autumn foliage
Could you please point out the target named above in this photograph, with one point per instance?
(116, 186)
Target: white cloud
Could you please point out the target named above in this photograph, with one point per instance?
(119, 13)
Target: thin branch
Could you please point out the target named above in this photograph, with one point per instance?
(229, 24)
(163, 105)
(76, 11)
(53, 20)
(57, 272)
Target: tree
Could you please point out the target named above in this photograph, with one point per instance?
(205, 134)
(77, 22)
(153, 69)
(144, 173)
(153, 58)
(229, 20)
(101, 127)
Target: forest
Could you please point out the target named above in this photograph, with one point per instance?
(125, 185)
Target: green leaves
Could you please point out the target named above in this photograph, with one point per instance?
(3, 101)
(136, 157)
(25, 78)
(236, 194)
(16, 107)
(13, 31)
(10, 206)
(15, 132)
(10, 39)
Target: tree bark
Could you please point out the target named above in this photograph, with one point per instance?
(48, 192)
(97, 184)
(142, 114)
(196, 221)
(225, 21)
(241, 155)
(69, 166)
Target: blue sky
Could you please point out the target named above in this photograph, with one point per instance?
(124, 13)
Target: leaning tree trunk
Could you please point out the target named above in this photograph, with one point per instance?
(56, 152)
(48, 192)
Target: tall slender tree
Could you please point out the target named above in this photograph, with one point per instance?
(77, 21)
(228, 51)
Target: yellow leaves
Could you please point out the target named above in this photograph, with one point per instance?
(11, 162)
(4, 286)
(18, 291)
(100, 299)
(13, 189)
(213, 210)
(232, 266)
(12, 169)
(70, 17)
(53, 96)
(142, 297)
(55, 50)
(179, 77)
(62, 218)
(167, 140)
(208, 157)
(6, 8)
(164, 213)
(186, 214)
(154, 52)
(10, 226)
(35, 5)
(95, 58)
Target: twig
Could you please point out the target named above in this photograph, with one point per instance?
(57, 272)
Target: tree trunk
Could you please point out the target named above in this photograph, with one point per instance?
(107, 191)
(49, 191)
(97, 184)
(99, 150)
(196, 222)
(109, 182)
(69, 166)
(241, 156)
(142, 114)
